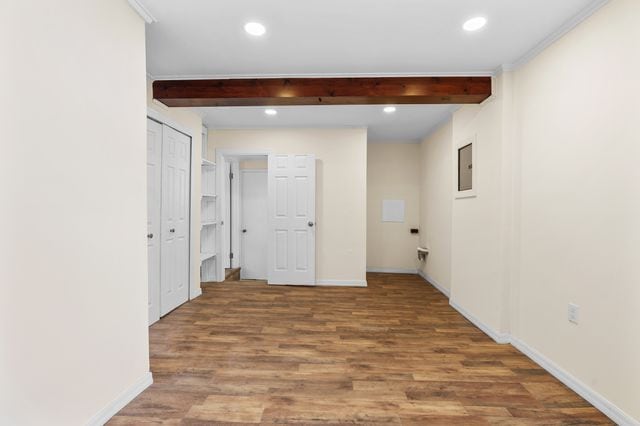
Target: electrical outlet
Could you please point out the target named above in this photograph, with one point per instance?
(573, 313)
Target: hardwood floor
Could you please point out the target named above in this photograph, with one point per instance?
(392, 353)
(231, 274)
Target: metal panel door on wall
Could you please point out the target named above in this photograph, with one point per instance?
(292, 219)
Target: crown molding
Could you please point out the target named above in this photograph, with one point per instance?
(573, 22)
(321, 75)
(142, 11)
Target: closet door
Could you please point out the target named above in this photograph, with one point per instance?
(176, 172)
(154, 199)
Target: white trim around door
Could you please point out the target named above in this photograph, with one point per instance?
(222, 156)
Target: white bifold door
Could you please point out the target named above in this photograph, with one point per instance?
(168, 192)
(292, 219)
(154, 203)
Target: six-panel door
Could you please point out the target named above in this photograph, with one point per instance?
(254, 200)
(174, 277)
(292, 219)
(154, 197)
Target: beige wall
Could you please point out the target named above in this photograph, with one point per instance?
(477, 260)
(254, 165)
(555, 220)
(580, 227)
(190, 123)
(436, 177)
(341, 190)
(73, 277)
(392, 174)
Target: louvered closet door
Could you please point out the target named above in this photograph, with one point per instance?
(174, 280)
(292, 217)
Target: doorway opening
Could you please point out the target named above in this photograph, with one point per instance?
(267, 202)
(246, 210)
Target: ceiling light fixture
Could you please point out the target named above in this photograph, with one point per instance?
(255, 28)
(389, 109)
(474, 24)
(271, 111)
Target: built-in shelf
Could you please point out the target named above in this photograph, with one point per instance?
(209, 218)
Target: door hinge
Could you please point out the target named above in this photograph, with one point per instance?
(230, 255)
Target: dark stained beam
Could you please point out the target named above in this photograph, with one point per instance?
(322, 91)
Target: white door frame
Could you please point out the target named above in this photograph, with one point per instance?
(234, 167)
(223, 155)
(194, 231)
(233, 219)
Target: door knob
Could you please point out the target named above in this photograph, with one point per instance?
(172, 230)
(310, 224)
(244, 231)
(149, 236)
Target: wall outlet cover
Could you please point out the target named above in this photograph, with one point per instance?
(573, 313)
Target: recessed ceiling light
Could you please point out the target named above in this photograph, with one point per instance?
(389, 109)
(255, 28)
(474, 24)
(270, 111)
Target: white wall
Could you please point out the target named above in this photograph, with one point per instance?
(341, 192)
(580, 223)
(556, 218)
(436, 177)
(392, 169)
(73, 292)
(188, 122)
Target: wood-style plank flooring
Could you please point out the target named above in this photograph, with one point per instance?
(392, 353)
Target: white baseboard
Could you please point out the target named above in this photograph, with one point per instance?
(341, 283)
(601, 403)
(392, 270)
(103, 416)
(501, 338)
(196, 293)
(594, 398)
(434, 283)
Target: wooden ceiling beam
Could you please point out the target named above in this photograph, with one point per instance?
(322, 91)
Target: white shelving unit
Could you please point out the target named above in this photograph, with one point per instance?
(208, 219)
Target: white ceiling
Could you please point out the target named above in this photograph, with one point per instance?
(205, 38)
(408, 123)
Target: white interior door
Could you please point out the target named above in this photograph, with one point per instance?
(174, 278)
(292, 217)
(254, 204)
(154, 197)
